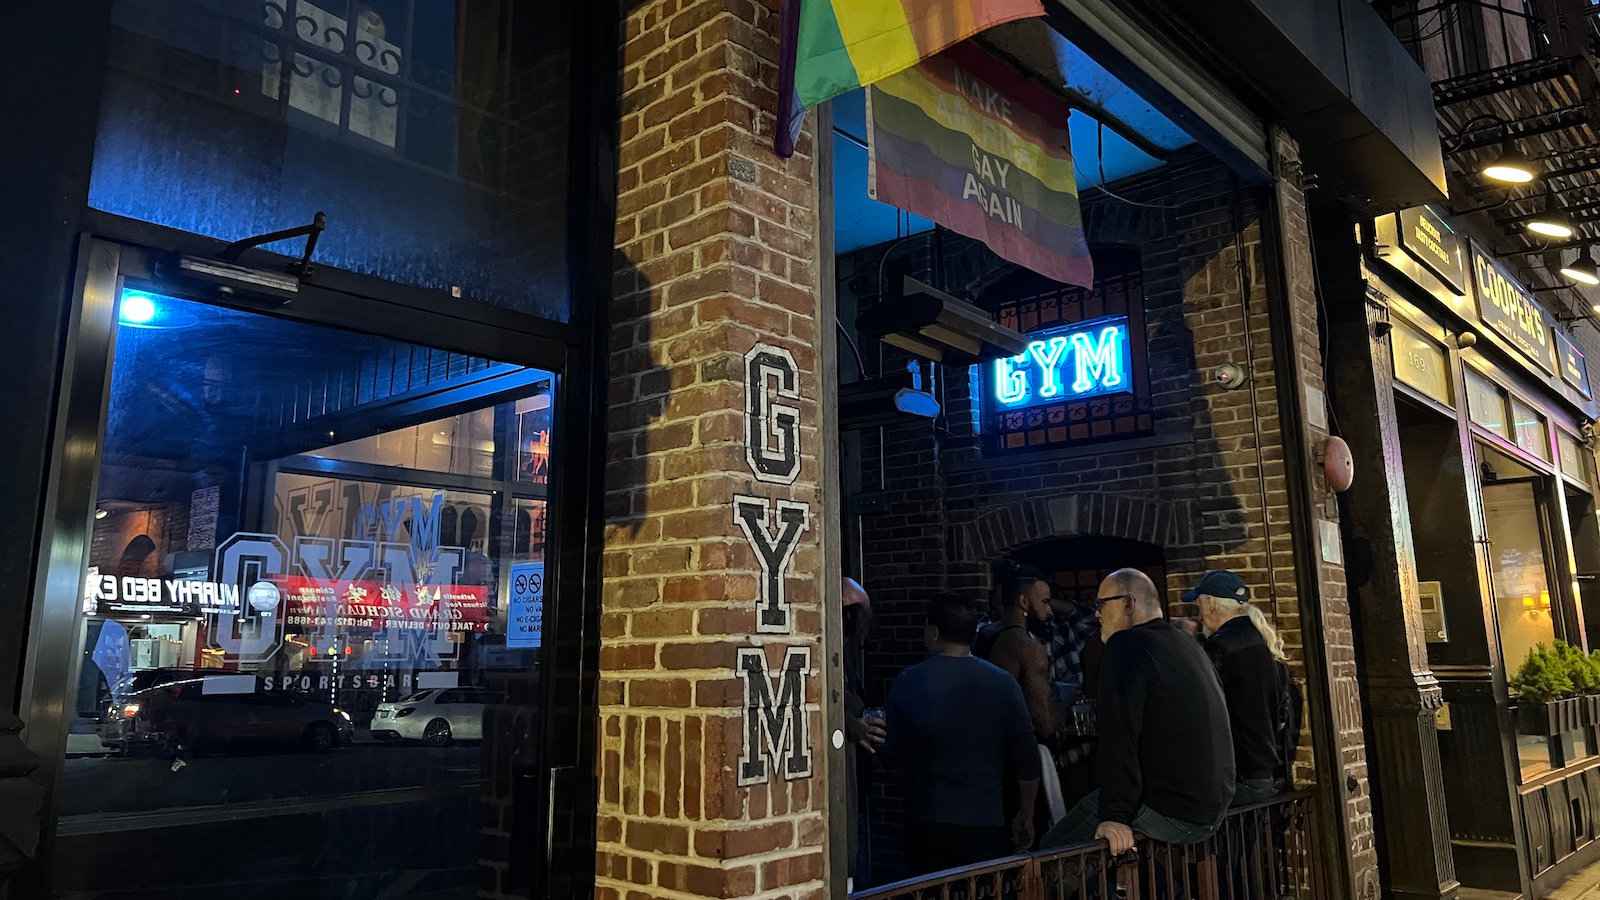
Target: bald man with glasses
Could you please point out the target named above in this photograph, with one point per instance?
(1165, 761)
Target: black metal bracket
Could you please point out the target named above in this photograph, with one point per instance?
(302, 268)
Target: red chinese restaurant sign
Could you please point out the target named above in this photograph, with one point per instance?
(379, 606)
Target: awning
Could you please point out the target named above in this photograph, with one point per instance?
(1340, 82)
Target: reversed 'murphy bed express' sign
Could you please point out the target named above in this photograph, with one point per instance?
(1072, 362)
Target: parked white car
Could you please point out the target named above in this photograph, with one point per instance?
(435, 716)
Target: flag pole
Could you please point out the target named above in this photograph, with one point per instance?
(791, 115)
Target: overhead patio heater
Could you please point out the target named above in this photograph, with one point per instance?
(927, 322)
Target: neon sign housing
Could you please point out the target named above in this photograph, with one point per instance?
(1070, 362)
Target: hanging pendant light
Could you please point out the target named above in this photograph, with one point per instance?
(1509, 166)
(1551, 222)
(1583, 269)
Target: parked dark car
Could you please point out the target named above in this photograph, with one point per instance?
(184, 711)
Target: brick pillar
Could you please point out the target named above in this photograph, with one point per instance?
(1346, 838)
(711, 747)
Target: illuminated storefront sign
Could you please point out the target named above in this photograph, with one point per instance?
(1085, 359)
(1574, 368)
(1507, 308)
(384, 606)
(1429, 239)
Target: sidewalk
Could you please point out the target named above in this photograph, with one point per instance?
(1583, 886)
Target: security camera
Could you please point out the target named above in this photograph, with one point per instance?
(1381, 329)
(1230, 376)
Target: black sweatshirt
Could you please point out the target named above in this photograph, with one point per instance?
(1164, 738)
(1249, 677)
(959, 731)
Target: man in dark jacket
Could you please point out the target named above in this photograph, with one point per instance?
(1246, 651)
(1166, 754)
(959, 733)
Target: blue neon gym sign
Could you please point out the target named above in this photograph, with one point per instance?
(1084, 359)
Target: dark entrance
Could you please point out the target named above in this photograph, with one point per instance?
(1075, 566)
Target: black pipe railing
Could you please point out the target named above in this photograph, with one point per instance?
(1260, 852)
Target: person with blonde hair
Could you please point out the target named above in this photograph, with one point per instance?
(1248, 654)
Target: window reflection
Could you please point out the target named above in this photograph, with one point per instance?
(1522, 590)
(432, 134)
(1529, 429)
(1486, 403)
(314, 607)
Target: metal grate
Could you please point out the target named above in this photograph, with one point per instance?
(1518, 70)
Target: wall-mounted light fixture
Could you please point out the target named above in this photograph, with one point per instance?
(1509, 166)
(1583, 269)
(1551, 222)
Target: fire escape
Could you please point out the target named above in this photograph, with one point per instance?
(1515, 89)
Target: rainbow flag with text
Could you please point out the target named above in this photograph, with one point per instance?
(967, 141)
(834, 46)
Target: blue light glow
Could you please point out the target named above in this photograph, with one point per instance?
(137, 309)
(1096, 352)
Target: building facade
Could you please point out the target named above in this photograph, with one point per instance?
(430, 443)
(1475, 533)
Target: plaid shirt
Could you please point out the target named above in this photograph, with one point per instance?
(1071, 633)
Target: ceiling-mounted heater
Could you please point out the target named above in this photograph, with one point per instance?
(927, 322)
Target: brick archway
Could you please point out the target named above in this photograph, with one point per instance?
(996, 531)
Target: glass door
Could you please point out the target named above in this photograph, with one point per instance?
(307, 658)
(1518, 517)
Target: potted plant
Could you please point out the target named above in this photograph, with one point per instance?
(1585, 675)
(1545, 693)
(1591, 700)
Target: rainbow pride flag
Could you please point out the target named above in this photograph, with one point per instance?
(966, 140)
(834, 46)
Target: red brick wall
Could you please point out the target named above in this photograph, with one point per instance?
(715, 253)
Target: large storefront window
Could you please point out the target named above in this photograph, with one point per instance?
(1486, 403)
(432, 134)
(1528, 430)
(313, 613)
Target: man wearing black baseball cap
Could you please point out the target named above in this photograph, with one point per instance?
(1166, 756)
(1248, 655)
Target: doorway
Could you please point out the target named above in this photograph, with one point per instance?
(1518, 512)
(303, 643)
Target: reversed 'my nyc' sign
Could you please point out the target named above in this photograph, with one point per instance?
(776, 730)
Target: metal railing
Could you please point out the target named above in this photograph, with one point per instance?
(1260, 852)
(1455, 38)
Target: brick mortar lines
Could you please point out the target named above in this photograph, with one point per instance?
(712, 265)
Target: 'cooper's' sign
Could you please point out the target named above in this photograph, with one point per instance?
(1504, 306)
